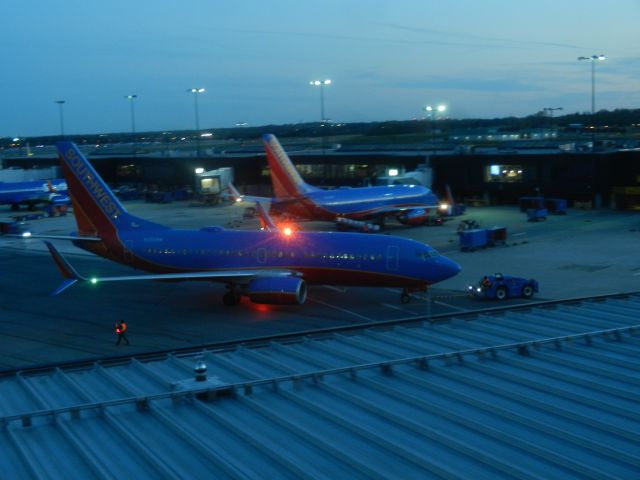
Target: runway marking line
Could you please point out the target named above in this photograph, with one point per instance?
(460, 309)
(404, 310)
(342, 310)
(335, 289)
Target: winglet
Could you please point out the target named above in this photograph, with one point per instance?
(69, 273)
(265, 219)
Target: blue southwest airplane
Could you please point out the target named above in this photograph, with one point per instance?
(32, 192)
(360, 207)
(267, 266)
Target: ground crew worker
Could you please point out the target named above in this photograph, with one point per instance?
(121, 328)
(486, 283)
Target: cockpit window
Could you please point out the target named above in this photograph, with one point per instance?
(426, 254)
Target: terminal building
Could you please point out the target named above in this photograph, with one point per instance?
(598, 179)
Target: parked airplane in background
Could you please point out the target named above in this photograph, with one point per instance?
(359, 207)
(267, 266)
(32, 192)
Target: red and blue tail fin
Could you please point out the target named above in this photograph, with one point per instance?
(97, 210)
(287, 182)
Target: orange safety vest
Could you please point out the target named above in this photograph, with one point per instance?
(121, 328)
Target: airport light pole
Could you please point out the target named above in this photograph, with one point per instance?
(593, 59)
(131, 98)
(432, 111)
(196, 91)
(60, 104)
(321, 84)
(549, 111)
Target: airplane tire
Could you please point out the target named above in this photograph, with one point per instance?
(527, 291)
(501, 293)
(405, 297)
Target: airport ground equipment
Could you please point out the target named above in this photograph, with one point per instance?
(467, 225)
(51, 210)
(497, 236)
(557, 206)
(14, 228)
(501, 287)
(475, 238)
(537, 214)
(529, 203)
(28, 216)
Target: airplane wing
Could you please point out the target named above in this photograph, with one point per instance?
(71, 276)
(71, 238)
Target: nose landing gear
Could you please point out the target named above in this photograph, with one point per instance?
(406, 295)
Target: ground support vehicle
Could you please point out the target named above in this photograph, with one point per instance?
(537, 214)
(475, 238)
(501, 287)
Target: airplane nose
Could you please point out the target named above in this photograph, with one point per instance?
(448, 268)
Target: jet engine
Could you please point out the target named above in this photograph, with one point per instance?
(417, 216)
(277, 290)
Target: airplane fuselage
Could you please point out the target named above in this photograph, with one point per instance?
(31, 191)
(356, 203)
(319, 257)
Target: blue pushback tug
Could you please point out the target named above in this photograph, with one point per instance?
(501, 287)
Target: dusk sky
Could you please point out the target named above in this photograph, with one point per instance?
(387, 60)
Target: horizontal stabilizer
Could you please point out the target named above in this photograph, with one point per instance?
(236, 196)
(65, 267)
(63, 286)
(68, 272)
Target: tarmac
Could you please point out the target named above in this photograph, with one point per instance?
(583, 253)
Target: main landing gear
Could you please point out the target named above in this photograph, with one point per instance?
(405, 296)
(232, 297)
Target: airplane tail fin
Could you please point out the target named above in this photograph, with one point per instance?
(286, 180)
(97, 210)
(70, 275)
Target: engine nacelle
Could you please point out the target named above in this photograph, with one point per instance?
(417, 216)
(277, 290)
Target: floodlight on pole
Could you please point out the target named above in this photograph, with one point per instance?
(131, 98)
(321, 84)
(593, 59)
(60, 104)
(196, 91)
(549, 110)
(432, 111)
